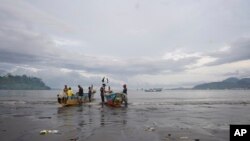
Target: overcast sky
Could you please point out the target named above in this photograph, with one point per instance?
(143, 43)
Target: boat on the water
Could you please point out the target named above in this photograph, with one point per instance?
(154, 90)
(75, 100)
(115, 99)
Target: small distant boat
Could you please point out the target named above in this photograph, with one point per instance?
(154, 90)
(75, 100)
(115, 99)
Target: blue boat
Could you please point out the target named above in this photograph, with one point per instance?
(115, 99)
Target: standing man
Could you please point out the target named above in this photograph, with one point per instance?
(65, 94)
(80, 92)
(102, 90)
(70, 93)
(65, 90)
(89, 94)
(103, 80)
(125, 99)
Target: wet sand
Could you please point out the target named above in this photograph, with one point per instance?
(145, 119)
(25, 129)
(94, 123)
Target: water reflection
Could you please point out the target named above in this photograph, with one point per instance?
(102, 121)
(113, 116)
(85, 119)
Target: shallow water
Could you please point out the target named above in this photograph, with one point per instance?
(185, 114)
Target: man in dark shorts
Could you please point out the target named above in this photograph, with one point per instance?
(89, 94)
(102, 91)
(80, 92)
(125, 99)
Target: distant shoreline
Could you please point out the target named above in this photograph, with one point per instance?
(17, 82)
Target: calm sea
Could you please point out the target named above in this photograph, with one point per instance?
(204, 112)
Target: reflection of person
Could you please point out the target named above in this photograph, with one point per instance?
(89, 94)
(125, 99)
(102, 90)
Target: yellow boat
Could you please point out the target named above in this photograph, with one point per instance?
(75, 100)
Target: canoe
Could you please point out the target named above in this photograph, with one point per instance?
(115, 99)
(75, 100)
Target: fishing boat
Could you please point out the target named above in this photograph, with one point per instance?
(154, 90)
(115, 99)
(75, 100)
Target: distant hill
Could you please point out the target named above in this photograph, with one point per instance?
(230, 83)
(10, 82)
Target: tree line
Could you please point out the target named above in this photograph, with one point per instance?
(21, 82)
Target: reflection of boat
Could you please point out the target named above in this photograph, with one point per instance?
(75, 100)
(154, 90)
(115, 99)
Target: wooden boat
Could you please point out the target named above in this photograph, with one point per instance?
(115, 99)
(75, 100)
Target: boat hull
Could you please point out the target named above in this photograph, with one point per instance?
(75, 100)
(115, 99)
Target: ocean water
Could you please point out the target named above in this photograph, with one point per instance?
(166, 115)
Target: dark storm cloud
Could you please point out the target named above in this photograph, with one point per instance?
(17, 58)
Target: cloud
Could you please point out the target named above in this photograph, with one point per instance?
(230, 74)
(25, 49)
(127, 42)
(31, 48)
(179, 54)
(234, 52)
(28, 16)
(237, 51)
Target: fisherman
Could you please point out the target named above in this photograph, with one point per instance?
(125, 99)
(125, 89)
(102, 91)
(89, 94)
(103, 79)
(70, 93)
(65, 90)
(64, 96)
(80, 92)
(109, 90)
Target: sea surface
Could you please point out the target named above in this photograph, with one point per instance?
(167, 115)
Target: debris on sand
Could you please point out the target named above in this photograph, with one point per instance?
(44, 132)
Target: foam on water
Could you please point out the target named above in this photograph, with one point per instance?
(12, 102)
